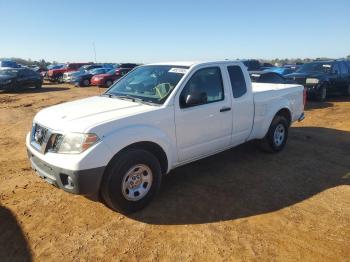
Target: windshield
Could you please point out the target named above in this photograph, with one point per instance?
(9, 72)
(149, 83)
(315, 67)
(111, 72)
(97, 71)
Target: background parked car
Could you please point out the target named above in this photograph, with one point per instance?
(68, 76)
(50, 67)
(106, 80)
(18, 78)
(269, 77)
(280, 70)
(56, 75)
(323, 77)
(84, 79)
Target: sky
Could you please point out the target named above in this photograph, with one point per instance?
(163, 30)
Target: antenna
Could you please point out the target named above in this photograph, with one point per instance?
(94, 49)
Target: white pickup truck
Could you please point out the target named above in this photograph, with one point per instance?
(156, 118)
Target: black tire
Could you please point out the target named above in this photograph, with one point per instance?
(109, 83)
(59, 79)
(270, 143)
(38, 85)
(347, 90)
(321, 94)
(85, 82)
(114, 177)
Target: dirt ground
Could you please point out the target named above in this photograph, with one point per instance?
(239, 205)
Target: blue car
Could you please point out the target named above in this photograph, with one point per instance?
(280, 70)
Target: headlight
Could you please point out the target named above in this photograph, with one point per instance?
(75, 143)
(312, 81)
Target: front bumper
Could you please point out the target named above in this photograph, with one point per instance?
(100, 82)
(6, 86)
(83, 182)
(312, 89)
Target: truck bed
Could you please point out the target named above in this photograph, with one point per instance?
(268, 97)
(263, 87)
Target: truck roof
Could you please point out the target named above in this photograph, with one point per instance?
(193, 63)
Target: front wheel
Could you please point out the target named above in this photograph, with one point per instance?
(276, 137)
(131, 181)
(38, 85)
(347, 91)
(109, 83)
(321, 94)
(86, 82)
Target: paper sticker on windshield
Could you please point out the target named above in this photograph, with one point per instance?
(178, 70)
(329, 66)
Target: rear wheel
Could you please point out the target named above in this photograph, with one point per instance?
(131, 181)
(276, 137)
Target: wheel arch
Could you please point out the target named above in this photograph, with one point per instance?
(285, 112)
(149, 146)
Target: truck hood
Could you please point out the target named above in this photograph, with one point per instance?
(305, 75)
(300, 78)
(82, 115)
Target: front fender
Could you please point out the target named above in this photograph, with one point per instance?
(121, 138)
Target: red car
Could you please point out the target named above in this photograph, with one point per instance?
(56, 75)
(106, 80)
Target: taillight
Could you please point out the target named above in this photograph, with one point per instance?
(304, 96)
(117, 72)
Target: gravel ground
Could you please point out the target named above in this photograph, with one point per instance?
(238, 205)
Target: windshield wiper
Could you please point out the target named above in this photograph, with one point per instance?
(133, 99)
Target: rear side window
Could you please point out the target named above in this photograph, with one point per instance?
(238, 84)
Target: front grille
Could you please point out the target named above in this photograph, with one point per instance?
(39, 134)
(39, 137)
(300, 81)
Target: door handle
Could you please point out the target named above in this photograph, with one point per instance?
(224, 109)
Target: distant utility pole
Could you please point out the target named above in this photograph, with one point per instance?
(94, 48)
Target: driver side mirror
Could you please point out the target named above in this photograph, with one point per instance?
(193, 99)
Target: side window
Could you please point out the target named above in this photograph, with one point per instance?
(205, 86)
(343, 68)
(335, 69)
(238, 84)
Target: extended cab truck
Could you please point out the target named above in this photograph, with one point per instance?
(154, 119)
(56, 75)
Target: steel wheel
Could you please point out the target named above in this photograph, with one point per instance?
(86, 82)
(137, 182)
(279, 134)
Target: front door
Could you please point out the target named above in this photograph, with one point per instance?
(203, 124)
